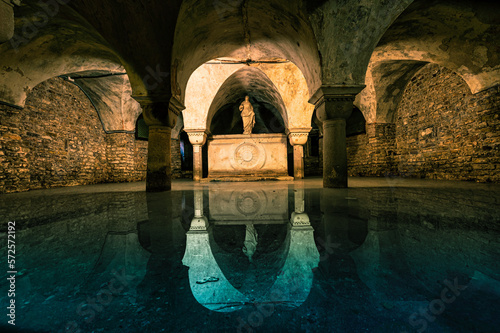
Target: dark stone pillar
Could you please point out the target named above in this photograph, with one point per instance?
(161, 117)
(334, 105)
(159, 170)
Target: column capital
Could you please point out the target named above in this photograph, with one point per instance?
(160, 110)
(197, 136)
(334, 102)
(300, 220)
(298, 136)
(336, 92)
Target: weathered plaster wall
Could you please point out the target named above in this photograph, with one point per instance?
(347, 41)
(442, 131)
(58, 140)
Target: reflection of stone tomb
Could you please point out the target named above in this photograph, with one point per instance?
(292, 283)
(248, 157)
(242, 207)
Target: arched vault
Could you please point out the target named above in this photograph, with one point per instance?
(459, 35)
(66, 44)
(385, 85)
(282, 85)
(259, 30)
(248, 80)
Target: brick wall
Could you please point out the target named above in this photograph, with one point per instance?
(445, 132)
(377, 146)
(442, 131)
(58, 140)
(14, 165)
(175, 159)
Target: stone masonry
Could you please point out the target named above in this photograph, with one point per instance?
(58, 140)
(442, 131)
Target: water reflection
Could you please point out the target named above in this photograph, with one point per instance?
(257, 258)
(292, 281)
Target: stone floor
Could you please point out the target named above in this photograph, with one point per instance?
(385, 255)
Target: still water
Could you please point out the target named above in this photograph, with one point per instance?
(385, 256)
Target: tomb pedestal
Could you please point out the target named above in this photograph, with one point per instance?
(247, 157)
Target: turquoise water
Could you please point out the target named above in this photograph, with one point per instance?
(255, 257)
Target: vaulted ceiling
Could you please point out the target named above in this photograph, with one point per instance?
(159, 44)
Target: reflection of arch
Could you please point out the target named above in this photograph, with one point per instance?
(291, 286)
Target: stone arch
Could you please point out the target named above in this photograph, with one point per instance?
(459, 35)
(385, 84)
(247, 81)
(285, 78)
(428, 32)
(65, 44)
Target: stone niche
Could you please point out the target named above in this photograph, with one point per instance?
(242, 157)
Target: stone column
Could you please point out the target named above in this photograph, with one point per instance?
(199, 221)
(160, 116)
(299, 217)
(334, 105)
(197, 139)
(298, 138)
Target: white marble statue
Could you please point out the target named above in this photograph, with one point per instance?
(247, 115)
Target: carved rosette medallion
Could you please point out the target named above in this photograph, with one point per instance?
(249, 203)
(248, 156)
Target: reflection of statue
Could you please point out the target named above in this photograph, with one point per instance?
(297, 257)
(247, 115)
(250, 244)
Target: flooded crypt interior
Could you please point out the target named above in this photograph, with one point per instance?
(250, 166)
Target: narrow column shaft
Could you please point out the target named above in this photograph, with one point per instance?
(298, 161)
(197, 163)
(197, 137)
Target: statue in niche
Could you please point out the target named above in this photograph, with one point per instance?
(247, 115)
